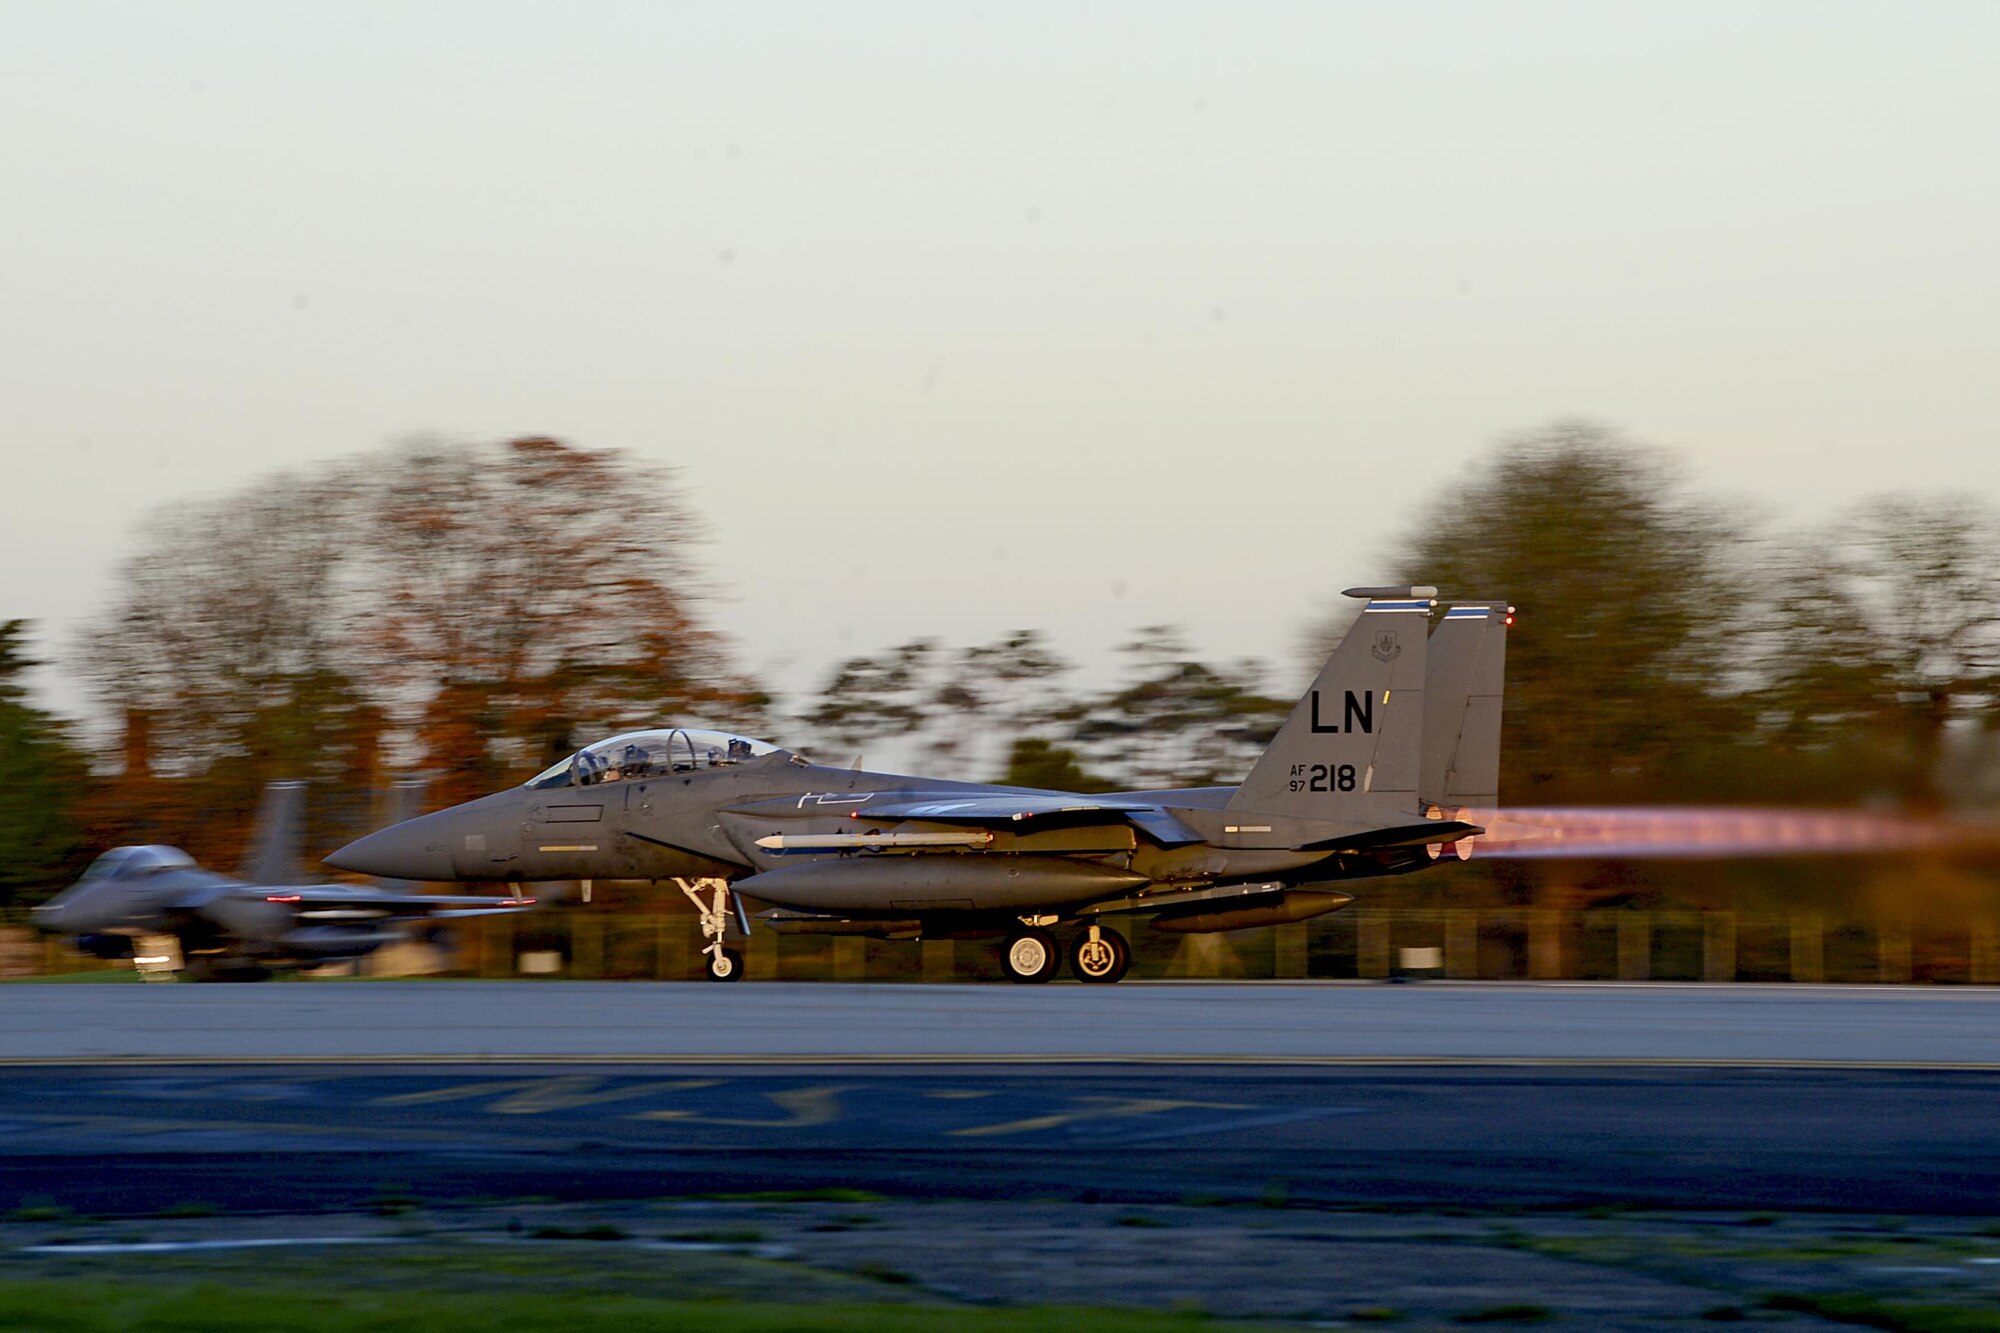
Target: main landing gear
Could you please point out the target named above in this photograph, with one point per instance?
(1098, 955)
(723, 964)
(1030, 956)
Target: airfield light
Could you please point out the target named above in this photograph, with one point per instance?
(281, 897)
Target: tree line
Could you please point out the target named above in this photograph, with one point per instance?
(476, 611)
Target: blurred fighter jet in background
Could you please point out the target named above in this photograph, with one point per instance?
(154, 905)
(1369, 776)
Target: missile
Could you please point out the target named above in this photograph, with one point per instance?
(1421, 592)
(843, 842)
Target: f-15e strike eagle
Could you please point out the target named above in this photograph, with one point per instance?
(154, 905)
(1374, 773)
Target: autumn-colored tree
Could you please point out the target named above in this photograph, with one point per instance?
(472, 608)
(530, 592)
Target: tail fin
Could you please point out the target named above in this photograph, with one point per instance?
(277, 837)
(1352, 748)
(407, 797)
(1463, 681)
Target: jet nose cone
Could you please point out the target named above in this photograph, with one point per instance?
(63, 915)
(416, 849)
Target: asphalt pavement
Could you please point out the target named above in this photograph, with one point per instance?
(166, 1138)
(1769, 1026)
(133, 1099)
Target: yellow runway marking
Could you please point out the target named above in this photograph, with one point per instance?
(538, 1096)
(1094, 1108)
(806, 1106)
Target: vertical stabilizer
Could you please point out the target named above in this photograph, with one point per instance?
(278, 836)
(1352, 748)
(1464, 679)
(407, 798)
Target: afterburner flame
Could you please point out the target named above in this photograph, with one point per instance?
(1554, 833)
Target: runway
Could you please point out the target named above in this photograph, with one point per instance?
(288, 1138)
(1762, 1026)
(131, 1099)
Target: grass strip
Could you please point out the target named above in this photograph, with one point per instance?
(1895, 1316)
(51, 1306)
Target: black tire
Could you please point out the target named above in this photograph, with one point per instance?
(1101, 962)
(1030, 956)
(204, 969)
(727, 967)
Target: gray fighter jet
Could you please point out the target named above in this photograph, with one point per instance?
(1374, 773)
(154, 905)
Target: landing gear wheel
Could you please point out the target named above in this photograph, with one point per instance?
(1100, 954)
(725, 965)
(1030, 955)
(712, 906)
(205, 969)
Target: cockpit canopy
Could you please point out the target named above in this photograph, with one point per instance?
(132, 862)
(647, 754)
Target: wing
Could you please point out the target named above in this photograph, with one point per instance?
(331, 901)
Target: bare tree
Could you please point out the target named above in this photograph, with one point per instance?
(1177, 721)
(1890, 625)
(470, 606)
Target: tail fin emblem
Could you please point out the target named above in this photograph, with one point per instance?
(1386, 648)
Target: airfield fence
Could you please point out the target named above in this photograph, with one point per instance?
(1367, 943)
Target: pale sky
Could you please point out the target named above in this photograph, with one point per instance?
(964, 319)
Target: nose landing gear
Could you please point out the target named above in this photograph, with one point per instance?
(723, 964)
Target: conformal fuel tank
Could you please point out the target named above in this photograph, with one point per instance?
(938, 883)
